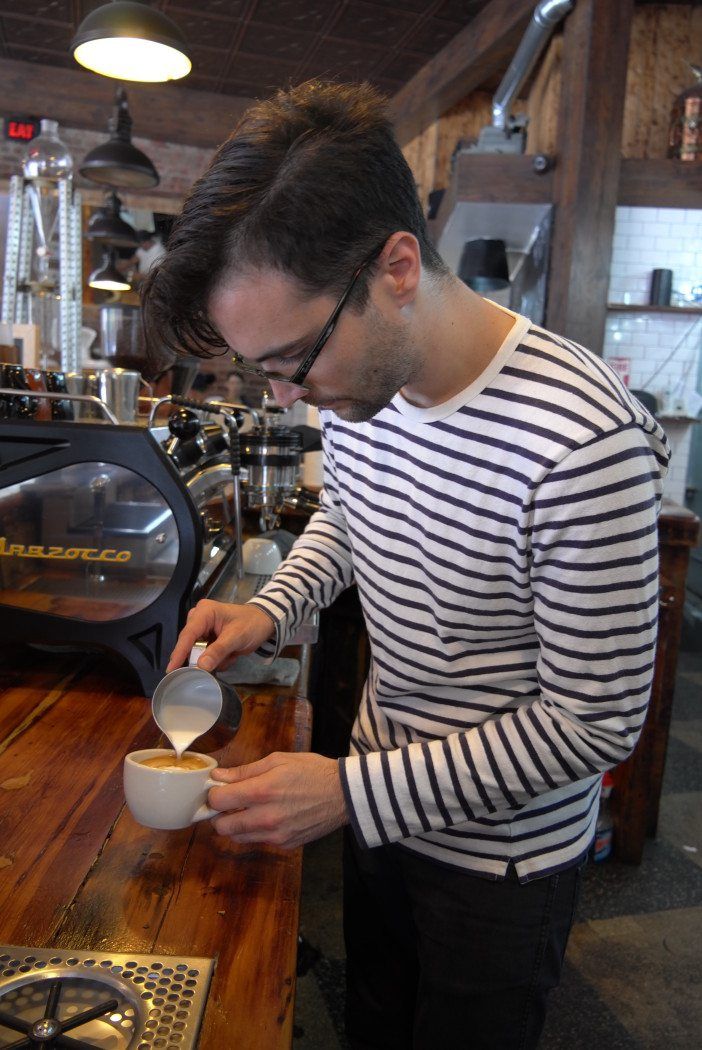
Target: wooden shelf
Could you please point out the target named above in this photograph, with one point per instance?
(509, 178)
(643, 308)
(660, 183)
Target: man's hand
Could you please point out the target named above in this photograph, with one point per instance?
(285, 799)
(234, 630)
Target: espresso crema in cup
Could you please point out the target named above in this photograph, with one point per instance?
(173, 764)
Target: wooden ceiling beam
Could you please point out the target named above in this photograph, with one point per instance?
(485, 47)
(80, 99)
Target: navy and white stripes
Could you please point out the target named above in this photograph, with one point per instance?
(505, 550)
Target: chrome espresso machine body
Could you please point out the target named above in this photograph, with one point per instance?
(109, 533)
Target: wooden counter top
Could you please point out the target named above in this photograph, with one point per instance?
(77, 872)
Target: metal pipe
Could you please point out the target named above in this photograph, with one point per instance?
(220, 408)
(168, 399)
(85, 398)
(546, 17)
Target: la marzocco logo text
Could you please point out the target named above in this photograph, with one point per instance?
(21, 550)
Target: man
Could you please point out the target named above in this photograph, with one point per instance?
(492, 490)
(233, 390)
(150, 251)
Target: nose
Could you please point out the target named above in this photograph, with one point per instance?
(286, 394)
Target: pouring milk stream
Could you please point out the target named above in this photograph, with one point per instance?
(186, 703)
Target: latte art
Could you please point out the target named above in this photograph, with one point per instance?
(173, 764)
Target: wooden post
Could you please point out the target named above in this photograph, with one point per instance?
(586, 179)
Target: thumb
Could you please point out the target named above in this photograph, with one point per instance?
(227, 645)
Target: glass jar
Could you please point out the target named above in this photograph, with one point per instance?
(47, 157)
(685, 137)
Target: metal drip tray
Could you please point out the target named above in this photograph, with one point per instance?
(55, 998)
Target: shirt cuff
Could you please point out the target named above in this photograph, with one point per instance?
(360, 802)
(270, 648)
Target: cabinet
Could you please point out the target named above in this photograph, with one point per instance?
(637, 782)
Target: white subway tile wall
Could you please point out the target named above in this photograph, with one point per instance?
(662, 349)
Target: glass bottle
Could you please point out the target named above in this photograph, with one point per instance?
(685, 137)
(47, 161)
(46, 156)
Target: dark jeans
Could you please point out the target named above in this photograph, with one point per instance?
(440, 960)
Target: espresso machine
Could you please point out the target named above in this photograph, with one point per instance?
(110, 532)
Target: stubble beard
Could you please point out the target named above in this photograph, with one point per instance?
(390, 365)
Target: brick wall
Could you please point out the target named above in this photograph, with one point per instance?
(663, 348)
(179, 166)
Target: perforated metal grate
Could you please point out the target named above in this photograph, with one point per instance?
(111, 1000)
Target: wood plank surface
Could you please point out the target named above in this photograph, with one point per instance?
(168, 112)
(543, 99)
(483, 48)
(501, 178)
(638, 781)
(586, 178)
(665, 38)
(78, 872)
(660, 184)
(49, 678)
(64, 772)
(194, 891)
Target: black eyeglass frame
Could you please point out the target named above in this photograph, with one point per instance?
(300, 374)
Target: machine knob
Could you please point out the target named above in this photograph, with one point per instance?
(184, 424)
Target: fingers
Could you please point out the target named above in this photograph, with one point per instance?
(233, 774)
(199, 624)
(228, 644)
(237, 629)
(247, 827)
(283, 799)
(241, 788)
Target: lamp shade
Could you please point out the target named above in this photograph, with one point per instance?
(118, 162)
(107, 277)
(483, 266)
(131, 41)
(106, 224)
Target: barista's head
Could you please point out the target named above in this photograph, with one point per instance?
(308, 184)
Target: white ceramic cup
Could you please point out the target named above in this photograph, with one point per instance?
(167, 798)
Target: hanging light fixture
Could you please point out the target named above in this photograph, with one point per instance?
(131, 41)
(107, 277)
(118, 162)
(107, 224)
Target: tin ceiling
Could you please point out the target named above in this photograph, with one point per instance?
(250, 47)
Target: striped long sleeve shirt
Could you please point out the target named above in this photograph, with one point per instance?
(504, 546)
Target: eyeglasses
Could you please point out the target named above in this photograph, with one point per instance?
(300, 374)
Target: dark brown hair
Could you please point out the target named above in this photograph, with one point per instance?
(309, 183)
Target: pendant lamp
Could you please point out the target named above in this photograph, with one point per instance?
(107, 277)
(107, 224)
(131, 41)
(118, 162)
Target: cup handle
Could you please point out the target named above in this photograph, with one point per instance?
(204, 812)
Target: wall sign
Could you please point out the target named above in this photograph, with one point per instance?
(22, 129)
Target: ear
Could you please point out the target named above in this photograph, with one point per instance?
(401, 267)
